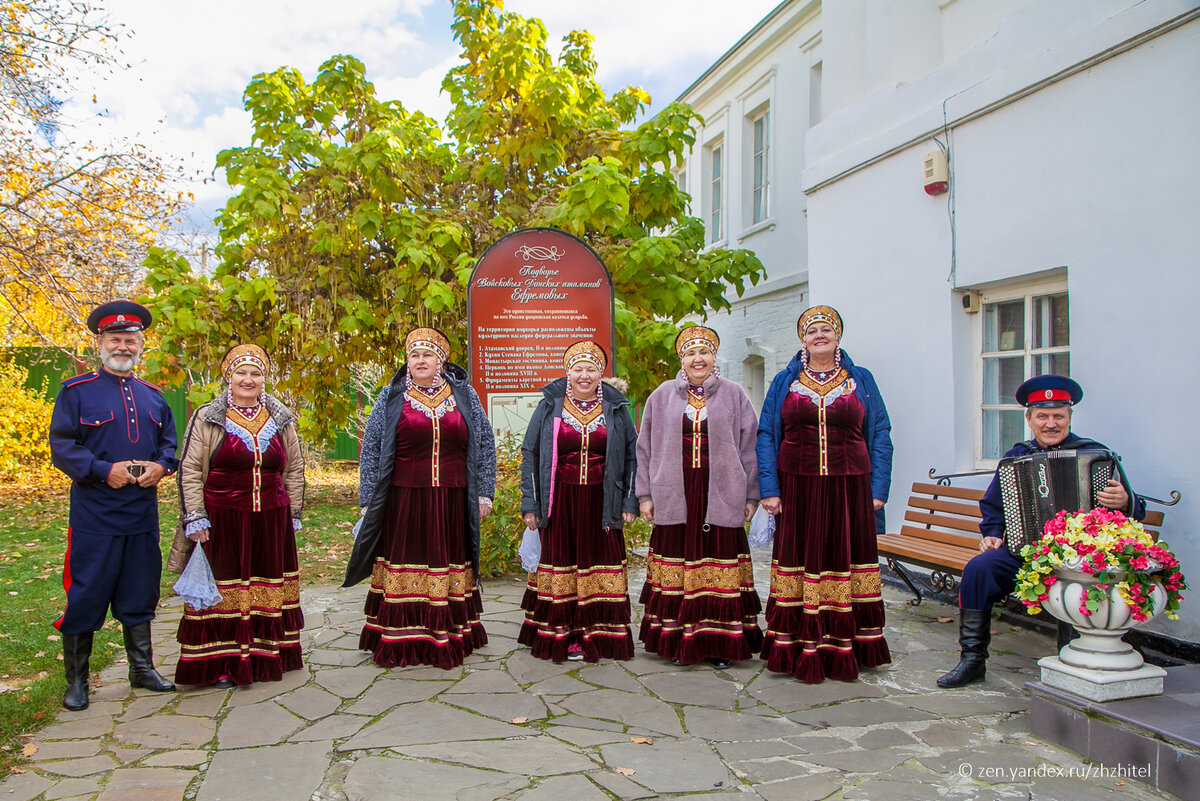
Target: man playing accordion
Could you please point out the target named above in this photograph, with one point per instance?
(991, 575)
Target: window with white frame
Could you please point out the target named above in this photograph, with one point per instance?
(714, 192)
(760, 139)
(1024, 335)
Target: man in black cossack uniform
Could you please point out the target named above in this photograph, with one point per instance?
(114, 435)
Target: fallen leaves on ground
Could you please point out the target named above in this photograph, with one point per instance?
(519, 721)
(29, 750)
(641, 740)
(626, 771)
(945, 620)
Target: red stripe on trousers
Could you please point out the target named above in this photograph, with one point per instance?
(66, 577)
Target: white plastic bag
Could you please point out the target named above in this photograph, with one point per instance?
(762, 529)
(196, 585)
(357, 528)
(530, 550)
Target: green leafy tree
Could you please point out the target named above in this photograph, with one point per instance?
(356, 218)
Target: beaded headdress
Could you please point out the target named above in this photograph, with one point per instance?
(427, 339)
(244, 354)
(584, 351)
(694, 336)
(819, 314)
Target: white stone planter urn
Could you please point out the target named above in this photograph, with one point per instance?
(1099, 665)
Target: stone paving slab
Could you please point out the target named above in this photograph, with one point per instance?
(274, 773)
(255, 725)
(344, 729)
(66, 749)
(709, 688)
(533, 756)
(614, 705)
(205, 704)
(166, 731)
(388, 779)
(506, 707)
(384, 695)
(147, 784)
(88, 766)
(563, 788)
(311, 703)
(334, 727)
(74, 788)
(428, 722)
(671, 766)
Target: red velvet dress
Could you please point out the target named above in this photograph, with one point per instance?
(579, 594)
(825, 612)
(423, 607)
(699, 593)
(253, 633)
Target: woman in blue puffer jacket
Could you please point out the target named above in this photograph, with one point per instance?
(824, 467)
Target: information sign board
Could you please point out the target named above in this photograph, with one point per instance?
(530, 296)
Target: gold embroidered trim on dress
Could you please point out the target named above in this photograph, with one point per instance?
(240, 598)
(251, 425)
(432, 406)
(580, 420)
(791, 587)
(434, 584)
(821, 389)
(726, 575)
(565, 585)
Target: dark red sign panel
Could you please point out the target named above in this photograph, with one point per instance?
(531, 295)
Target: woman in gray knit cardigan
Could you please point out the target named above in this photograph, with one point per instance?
(697, 482)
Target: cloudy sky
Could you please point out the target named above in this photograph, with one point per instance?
(190, 62)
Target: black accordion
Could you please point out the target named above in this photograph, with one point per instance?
(1037, 486)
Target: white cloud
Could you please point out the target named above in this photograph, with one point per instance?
(190, 63)
(645, 41)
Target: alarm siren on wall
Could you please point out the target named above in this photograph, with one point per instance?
(937, 174)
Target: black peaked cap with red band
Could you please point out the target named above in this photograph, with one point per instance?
(1049, 390)
(120, 316)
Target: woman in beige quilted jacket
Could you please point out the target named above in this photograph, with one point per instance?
(241, 487)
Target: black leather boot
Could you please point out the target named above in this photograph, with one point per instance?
(77, 650)
(141, 660)
(974, 634)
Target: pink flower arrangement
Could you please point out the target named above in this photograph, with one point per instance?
(1105, 544)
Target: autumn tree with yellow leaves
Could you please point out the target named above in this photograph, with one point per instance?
(76, 219)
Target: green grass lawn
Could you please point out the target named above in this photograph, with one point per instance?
(33, 537)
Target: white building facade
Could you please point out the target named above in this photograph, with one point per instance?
(1067, 241)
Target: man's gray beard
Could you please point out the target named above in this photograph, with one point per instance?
(117, 363)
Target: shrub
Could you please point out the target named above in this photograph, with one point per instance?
(24, 426)
(500, 532)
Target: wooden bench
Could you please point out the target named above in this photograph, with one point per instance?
(941, 533)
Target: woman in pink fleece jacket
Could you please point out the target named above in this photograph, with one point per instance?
(697, 481)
